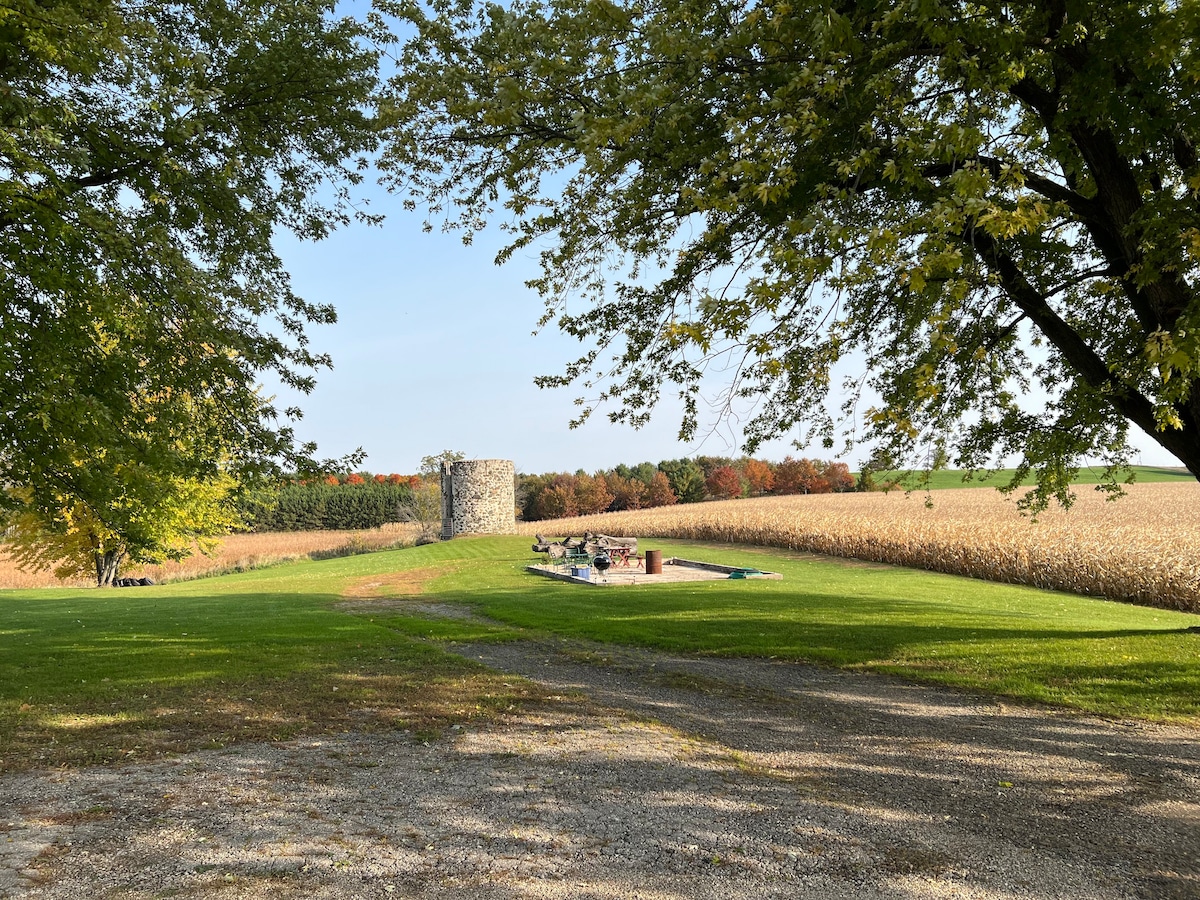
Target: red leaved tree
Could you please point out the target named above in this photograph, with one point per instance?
(839, 477)
(724, 483)
(800, 476)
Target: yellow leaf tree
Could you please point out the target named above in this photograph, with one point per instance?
(149, 520)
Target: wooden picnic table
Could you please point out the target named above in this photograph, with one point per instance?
(621, 556)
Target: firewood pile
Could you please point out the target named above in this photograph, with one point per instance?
(591, 544)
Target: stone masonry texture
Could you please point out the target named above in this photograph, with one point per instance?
(481, 498)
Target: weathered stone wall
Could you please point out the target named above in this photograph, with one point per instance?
(478, 497)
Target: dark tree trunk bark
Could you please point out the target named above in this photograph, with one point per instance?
(107, 564)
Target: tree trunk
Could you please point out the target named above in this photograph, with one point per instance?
(107, 564)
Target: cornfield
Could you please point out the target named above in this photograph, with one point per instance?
(1142, 548)
(239, 552)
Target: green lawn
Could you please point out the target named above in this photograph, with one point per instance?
(89, 675)
(96, 675)
(955, 478)
(1037, 645)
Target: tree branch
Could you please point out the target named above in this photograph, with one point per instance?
(1083, 207)
(1077, 353)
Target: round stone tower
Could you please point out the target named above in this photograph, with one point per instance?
(478, 497)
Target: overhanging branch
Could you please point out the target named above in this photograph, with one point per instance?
(1077, 353)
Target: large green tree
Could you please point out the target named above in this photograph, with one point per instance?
(148, 154)
(982, 202)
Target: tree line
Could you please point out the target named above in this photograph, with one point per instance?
(336, 503)
(646, 485)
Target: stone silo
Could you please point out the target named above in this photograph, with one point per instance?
(478, 497)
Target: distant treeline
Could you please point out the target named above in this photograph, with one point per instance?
(362, 500)
(559, 495)
(349, 502)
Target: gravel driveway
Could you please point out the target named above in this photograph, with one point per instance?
(647, 776)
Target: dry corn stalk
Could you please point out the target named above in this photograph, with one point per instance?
(237, 551)
(1143, 548)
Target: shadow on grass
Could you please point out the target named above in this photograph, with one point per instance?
(745, 774)
(761, 772)
(102, 681)
(1106, 667)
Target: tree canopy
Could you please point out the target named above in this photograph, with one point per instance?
(147, 518)
(981, 202)
(148, 154)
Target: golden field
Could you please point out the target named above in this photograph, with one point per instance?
(1143, 547)
(238, 552)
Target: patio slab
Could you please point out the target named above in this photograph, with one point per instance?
(673, 569)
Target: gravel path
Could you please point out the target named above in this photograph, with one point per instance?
(648, 776)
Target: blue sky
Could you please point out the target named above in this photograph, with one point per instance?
(434, 351)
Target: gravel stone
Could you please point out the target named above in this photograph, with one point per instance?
(651, 776)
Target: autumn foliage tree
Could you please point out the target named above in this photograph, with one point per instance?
(592, 494)
(144, 522)
(547, 497)
(760, 477)
(724, 483)
(839, 477)
(628, 493)
(562, 495)
(659, 492)
(800, 476)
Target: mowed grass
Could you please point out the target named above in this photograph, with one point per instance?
(957, 478)
(91, 675)
(1093, 655)
(313, 647)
